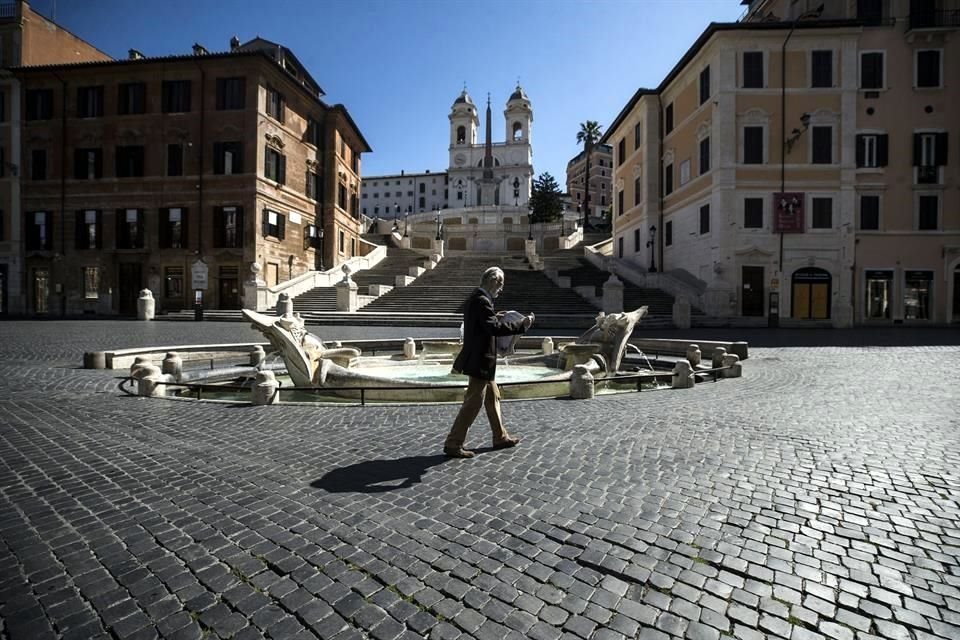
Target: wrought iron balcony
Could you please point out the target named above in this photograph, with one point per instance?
(935, 18)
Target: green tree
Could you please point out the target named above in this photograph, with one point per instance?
(545, 199)
(589, 135)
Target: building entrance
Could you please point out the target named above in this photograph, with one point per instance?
(229, 288)
(129, 289)
(751, 291)
(41, 291)
(811, 294)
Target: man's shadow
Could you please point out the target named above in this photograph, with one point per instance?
(377, 476)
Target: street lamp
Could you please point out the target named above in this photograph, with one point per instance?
(516, 192)
(438, 221)
(651, 243)
(529, 221)
(579, 220)
(320, 251)
(405, 216)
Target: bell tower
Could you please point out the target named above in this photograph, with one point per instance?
(464, 121)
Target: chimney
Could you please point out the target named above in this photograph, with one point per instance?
(234, 43)
(133, 54)
(199, 49)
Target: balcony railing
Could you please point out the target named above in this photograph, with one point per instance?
(928, 175)
(8, 10)
(934, 19)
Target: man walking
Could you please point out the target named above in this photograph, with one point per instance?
(478, 359)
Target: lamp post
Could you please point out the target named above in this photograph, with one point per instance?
(579, 220)
(438, 221)
(405, 216)
(320, 249)
(651, 243)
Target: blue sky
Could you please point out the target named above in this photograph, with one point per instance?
(398, 65)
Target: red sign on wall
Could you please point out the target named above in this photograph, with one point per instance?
(788, 213)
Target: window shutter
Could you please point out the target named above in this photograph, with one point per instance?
(120, 242)
(238, 157)
(265, 225)
(917, 150)
(81, 240)
(860, 150)
(99, 227)
(221, 93)
(49, 244)
(218, 226)
(163, 229)
(184, 228)
(280, 106)
(218, 157)
(98, 163)
(306, 236)
(281, 226)
(282, 173)
(187, 84)
(882, 150)
(941, 151)
(239, 227)
(78, 164)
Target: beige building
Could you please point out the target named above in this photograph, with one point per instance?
(179, 174)
(796, 165)
(26, 38)
(601, 174)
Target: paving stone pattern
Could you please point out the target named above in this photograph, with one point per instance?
(817, 498)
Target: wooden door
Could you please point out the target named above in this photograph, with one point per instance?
(801, 300)
(751, 291)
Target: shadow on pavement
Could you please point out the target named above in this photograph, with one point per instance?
(377, 476)
(790, 337)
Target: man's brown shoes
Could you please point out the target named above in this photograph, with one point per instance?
(506, 443)
(458, 453)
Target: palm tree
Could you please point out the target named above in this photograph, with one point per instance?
(589, 134)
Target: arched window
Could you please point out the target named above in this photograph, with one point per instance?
(517, 131)
(461, 134)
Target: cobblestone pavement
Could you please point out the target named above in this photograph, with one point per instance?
(816, 497)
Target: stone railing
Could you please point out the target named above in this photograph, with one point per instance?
(260, 297)
(675, 286)
(599, 253)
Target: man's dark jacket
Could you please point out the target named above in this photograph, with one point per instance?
(481, 326)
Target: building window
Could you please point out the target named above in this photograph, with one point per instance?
(870, 212)
(313, 185)
(916, 294)
(753, 145)
(341, 241)
(928, 68)
(704, 155)
(621, 150)
(314, 133)
(685, 171)
(620, 202)
(39, 104)
(88, 229)
(130, 161)
(355, 161)
(173, 228)
(668, 233)
(131, 98)
(40, 231)
(928, 212)
(173, 282)
(228, 227)
(668, 179)
(176, 96)
(38, 164)
(871, 70)
(91, 283)
(637, 190)
(275, 104)
(929, 153)
(130, 229)
(753, 213)
(821, 69)
(311, 237)
(620, 247)
(227, 158)
(870, 12)
(274, 225)
(231, 93)
(90, 102)
(871, 150)
(705, 219)
(822, 213)
(636, 240)
(637, 136)
(753, 69)
(822, 145)
(275, 166)
(668, 118)
(705, 84)
(87, 164)
(174, 159)
(342, 196)
(878, 291)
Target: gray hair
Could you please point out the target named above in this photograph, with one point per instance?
(491, 274)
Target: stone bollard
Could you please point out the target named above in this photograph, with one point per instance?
(409, 349)
(139, 364)
(735, 368)
(613, 295)
(150, 381)
(716, 359)
(257, 356)
(581, 383)
(284, 305)
(265, 390)
(547, 346)
(693, 354)
(172, 364)
(682, 375)
(146, 305)
(95, 360)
